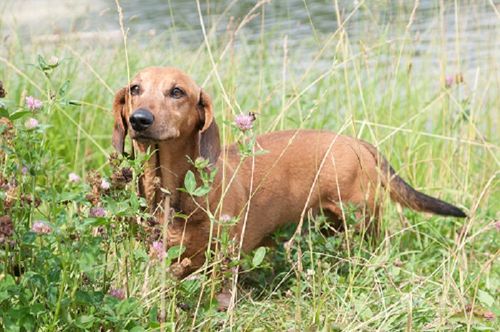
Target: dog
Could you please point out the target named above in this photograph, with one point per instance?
(165, 111)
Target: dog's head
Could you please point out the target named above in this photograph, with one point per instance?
(162, 105)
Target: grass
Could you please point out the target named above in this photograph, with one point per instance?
(426, 273)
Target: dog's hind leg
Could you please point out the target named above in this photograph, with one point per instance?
(335, 222)
(366, 213)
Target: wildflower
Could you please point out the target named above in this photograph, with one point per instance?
(73, 177)
(98, 231)
(117, 293)
(53, 61)
(24, 170)
(448, 81)
(97, 212)
(497, 225)
(11, 191)
(225, 219)
(31, 123)
(94, 180)
(33, 103)
(105, 185)
(121, 177)
(6, 228)
(156, 251)
(489, 315)
(398, 263)
(28, 200)
(41, 227)
(127, 174)
(244, 122)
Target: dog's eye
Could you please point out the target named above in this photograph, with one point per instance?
(176, 93)
(135, 90)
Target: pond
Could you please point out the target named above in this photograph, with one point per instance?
(467, 34)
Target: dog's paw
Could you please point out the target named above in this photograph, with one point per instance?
(179, 270)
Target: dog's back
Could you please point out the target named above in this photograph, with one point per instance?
(306, 169)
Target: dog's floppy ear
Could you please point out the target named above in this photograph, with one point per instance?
(209, 133)
(120, 126)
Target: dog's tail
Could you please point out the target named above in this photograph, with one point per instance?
(403, 193)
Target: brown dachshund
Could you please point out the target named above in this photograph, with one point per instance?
(166, 111)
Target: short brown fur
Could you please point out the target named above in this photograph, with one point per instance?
(302, 169)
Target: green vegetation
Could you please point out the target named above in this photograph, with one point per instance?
(88, 265)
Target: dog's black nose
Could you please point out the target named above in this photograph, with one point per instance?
(141, 119)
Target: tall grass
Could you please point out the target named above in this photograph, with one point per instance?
(426, 273)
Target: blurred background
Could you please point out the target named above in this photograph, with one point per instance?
(468, 32)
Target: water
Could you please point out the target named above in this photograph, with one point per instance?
(474, 41)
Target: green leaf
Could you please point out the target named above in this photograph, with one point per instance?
(67, 197)
(37, 309)
(175, 251)
(128, 307)
(18, 115)
(4, 295)
(7, 282)
(258, 257)
(190, 182)
(3, 111)
(93, 222)
(485, 298)
(87, 261)
(64, 88)
(153, 314)
(29, 238)
(201, 163)
(363, 308)
(190, 286)
(85, 321)
(180, 215)
(41, 62)
(201, 191)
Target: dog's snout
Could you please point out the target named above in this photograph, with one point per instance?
(141, 119)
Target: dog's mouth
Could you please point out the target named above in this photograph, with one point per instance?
(150, 138)
(144, 138)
